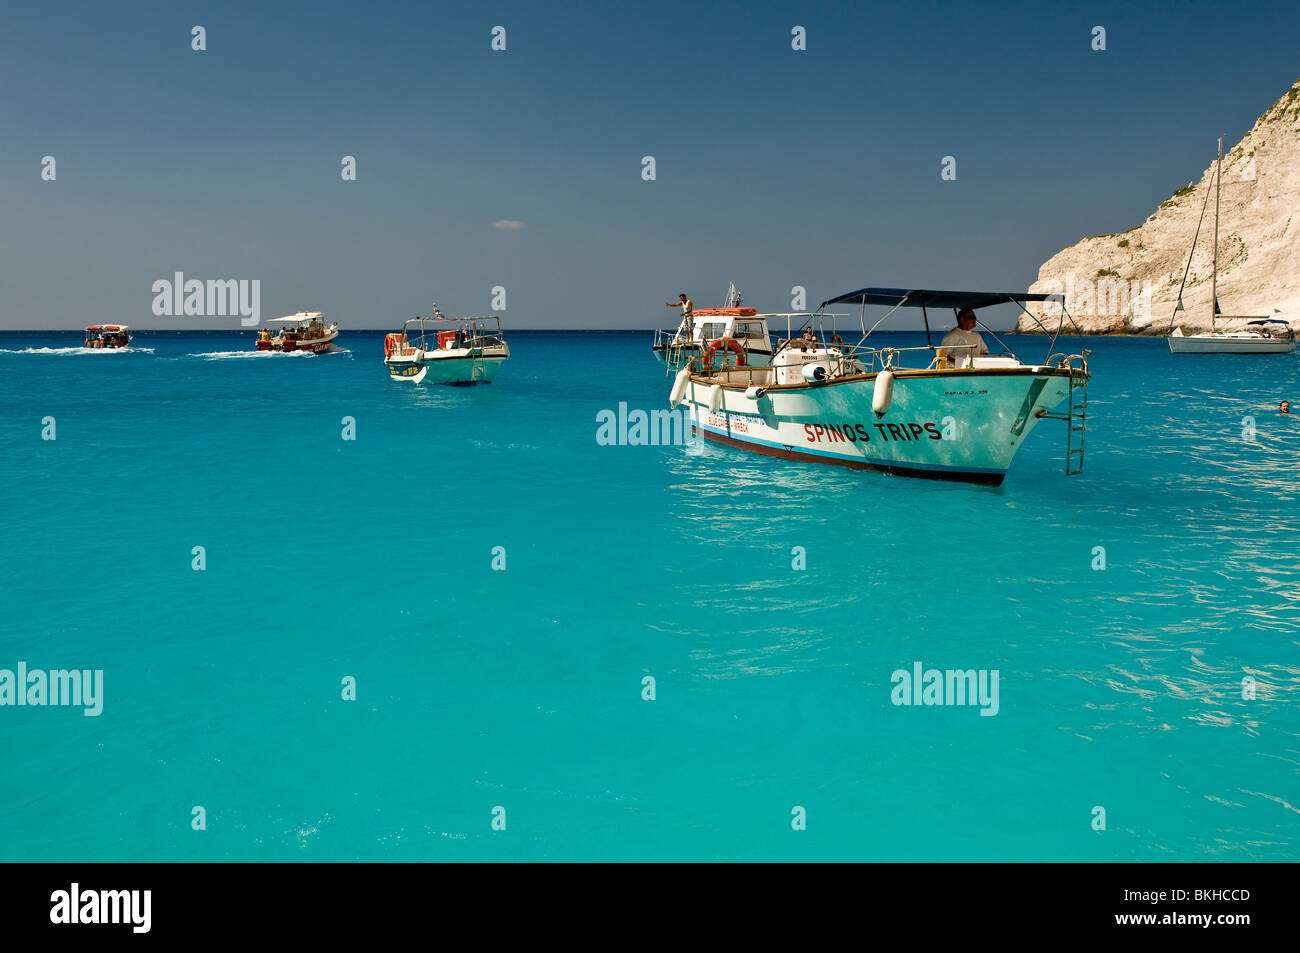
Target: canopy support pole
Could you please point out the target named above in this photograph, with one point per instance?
(926, 318)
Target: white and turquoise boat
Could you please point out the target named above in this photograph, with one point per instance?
(937, 412)
(441, 350)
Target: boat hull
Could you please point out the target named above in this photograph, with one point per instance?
(963, 425)
(313, 345)
(1194, 344)
(480, 369)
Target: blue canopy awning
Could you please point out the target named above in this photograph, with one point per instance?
(917, 298)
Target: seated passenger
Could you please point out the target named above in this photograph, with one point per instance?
(966, 337)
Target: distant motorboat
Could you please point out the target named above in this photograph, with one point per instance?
(304, 331)
(468, 350)
(108, 336)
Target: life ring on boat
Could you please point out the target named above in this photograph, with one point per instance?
(724, 345)
(726, 312)
(393, 342)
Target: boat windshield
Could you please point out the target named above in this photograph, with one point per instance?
(432, 333)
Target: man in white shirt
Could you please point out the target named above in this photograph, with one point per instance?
(966, 337)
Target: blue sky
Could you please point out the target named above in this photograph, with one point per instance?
(774, 168)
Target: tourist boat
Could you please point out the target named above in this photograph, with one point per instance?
(108, 336)
(1257, 335)
(446, 350)
(304, 331)
(731, 326)
(935, 412)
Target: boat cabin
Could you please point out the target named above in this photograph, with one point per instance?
(709, 324)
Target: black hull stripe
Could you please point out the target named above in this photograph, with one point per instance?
(953, 476)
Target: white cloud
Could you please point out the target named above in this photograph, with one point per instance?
(513, 224)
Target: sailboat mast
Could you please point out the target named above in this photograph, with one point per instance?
(1214, 274)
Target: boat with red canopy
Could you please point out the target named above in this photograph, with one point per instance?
(108, 335)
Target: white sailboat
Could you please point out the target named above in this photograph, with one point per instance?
(1254, 335)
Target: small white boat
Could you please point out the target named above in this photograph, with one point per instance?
(446, 350)
(1257, 335)
(741, 330)
(304, 331)
(953, 414)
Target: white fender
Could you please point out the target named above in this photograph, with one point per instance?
(715, 398)
(883, 393)
(814, 372)
(755, 393)
(418, 356)
(679, 387)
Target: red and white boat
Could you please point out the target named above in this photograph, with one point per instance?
(108, 335)
(304, 331)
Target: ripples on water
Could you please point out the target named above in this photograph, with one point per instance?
(1121, 687)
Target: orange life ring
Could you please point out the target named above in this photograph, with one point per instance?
(392, 342)
(724, 344)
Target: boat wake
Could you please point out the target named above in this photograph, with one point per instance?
(78, 350)
(245, 355)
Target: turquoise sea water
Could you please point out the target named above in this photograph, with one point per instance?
(522, 689)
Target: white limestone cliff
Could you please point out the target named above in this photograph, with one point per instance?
(1128, 283)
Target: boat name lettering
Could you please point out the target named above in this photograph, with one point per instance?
(738, 423)
(861, 433)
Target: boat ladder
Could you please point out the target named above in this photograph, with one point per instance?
(1076, 415)
(1076, 423)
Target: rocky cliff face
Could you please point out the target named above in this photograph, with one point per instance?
(1128, 283)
